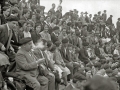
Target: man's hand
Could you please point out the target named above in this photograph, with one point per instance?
(3, 48)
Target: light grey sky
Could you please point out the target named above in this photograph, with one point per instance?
(91, 6)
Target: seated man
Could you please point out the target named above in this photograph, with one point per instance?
(46, 69)
(83, 54)
(27, 66)
(64, 54)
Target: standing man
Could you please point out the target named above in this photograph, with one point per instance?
(52, 9)
(104, 16)
(109, 20)
(118, 27)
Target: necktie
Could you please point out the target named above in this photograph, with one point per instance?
(9, 40)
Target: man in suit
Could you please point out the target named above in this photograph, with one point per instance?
(78, 83)
(83, 54)
(6, 33)
(109, 20)
(55, 34)
(86, 17)
(64, 53)
(52, 9)
(118, 27)
(42, 18)
(27, 66)
(104, 16)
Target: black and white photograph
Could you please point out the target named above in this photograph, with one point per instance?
(59, 44)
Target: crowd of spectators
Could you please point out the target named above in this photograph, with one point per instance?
(47, 49)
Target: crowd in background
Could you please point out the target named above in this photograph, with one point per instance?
(48, 49)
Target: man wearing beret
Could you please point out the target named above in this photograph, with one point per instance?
(27, 66)
(6, 34)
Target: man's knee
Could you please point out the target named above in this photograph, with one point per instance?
(51, 77)
(43, 80)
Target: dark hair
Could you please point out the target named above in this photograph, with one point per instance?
(5, 8)
(25, 11)
(53, 48)
(46, 17)
(37, 24)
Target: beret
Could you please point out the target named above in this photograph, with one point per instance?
(25, 40)
(85, 44)
(12, 18)
(65, 40)
(55, 28)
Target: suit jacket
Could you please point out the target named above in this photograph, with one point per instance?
(118, 26)
(97, 51)
(3, 20)
(83, 55)
(42, 25)
(87, 19)
(54, 37)
(64, 54)
(58, 58)
(3, 35)
(35, 36)
(104, 16)
(26, 64)
(41, 54)
(109, 21)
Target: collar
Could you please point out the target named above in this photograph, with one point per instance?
(8, 27)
